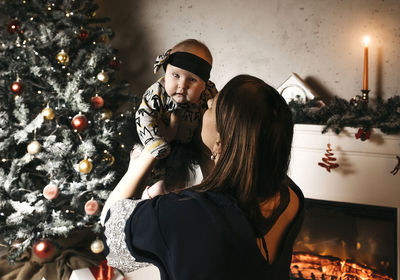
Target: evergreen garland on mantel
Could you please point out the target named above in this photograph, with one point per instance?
(341, 113)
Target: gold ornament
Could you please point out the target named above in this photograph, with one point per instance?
(48, 113)
(85, 166)
(106, 114)
(34, 147)
(108, 159)
(105, 39)
(97, 246)
(63, 57)
(103, 77)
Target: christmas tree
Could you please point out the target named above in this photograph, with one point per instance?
(62, 147)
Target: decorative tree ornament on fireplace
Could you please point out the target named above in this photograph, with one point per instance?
(328, 162)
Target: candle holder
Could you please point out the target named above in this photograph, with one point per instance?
(364, 96)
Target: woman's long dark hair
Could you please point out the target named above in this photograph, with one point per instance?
(256, 129)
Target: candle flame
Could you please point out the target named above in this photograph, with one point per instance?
(366, 41)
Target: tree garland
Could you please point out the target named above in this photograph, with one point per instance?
(341, 113)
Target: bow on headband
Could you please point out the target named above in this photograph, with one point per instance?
(160, 60)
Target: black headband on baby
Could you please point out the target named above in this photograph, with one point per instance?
(191, 63)
(187, 61)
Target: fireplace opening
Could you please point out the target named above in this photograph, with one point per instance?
(346, 241)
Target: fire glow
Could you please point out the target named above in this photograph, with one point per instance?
(306, 266)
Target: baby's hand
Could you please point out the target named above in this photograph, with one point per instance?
(169, 131)
(154, 190)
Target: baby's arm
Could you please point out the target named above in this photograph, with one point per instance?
(148, 120)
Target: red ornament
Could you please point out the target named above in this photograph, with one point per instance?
(363, 134)
(79, 122)
(83, 34)
(43, 249)
(328, 160)
(14, 26)
(97, 101)
(91, 207)
(115, 63)
(17, 87)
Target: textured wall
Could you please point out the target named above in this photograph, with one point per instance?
(319, 40)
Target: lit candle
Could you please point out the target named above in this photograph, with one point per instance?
(365, 76)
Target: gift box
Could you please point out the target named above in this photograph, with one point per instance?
(101, 272)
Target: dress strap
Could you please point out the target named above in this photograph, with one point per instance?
(265, 249)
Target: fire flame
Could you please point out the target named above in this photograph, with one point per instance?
(306, 266)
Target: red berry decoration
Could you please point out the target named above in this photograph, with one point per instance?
(328, 160)
(17, 87)
(363, 134)
(97, 101)
(14, 26)
(79, 122)
(115, 63)
(83, 34)
(43, 249)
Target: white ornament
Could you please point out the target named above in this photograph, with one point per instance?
(97, 246)
(103, 77)
(34, 147)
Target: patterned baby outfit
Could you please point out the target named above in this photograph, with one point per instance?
(157, 106)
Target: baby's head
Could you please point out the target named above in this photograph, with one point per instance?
(187, 71)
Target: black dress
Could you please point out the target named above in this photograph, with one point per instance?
(195, 235)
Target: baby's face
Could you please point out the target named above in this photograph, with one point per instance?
(182, 85)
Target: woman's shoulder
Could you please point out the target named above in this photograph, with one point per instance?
(195, 198)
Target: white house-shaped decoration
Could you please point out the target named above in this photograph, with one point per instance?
(294, 88)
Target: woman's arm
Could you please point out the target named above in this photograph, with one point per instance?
(138, 170)
(129, 183)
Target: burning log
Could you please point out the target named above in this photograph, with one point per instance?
(306, 266)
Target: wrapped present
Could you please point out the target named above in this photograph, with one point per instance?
(101, 272)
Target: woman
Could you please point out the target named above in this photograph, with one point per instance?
(242, 220)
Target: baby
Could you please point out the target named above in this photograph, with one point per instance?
(183, 91)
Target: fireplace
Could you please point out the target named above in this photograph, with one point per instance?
(346, 241)
(362, 183)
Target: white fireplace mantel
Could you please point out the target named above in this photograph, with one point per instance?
(363, 175)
